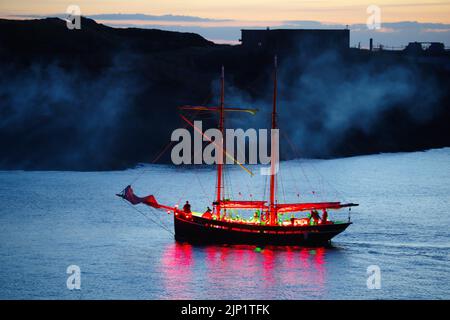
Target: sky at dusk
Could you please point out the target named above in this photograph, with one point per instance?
(334, 11)
(422, 20)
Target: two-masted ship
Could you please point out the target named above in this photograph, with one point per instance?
(264, 227)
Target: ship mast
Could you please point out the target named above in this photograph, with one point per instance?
(221, 143)
(273, 216)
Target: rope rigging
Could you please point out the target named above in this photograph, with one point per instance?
(160, 223)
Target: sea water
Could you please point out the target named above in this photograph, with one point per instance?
(52, 220)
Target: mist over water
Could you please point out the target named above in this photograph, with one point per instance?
(50, 220)
(64, 116)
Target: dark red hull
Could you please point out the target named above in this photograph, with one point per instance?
(205, 231)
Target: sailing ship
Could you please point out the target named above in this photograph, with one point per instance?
(265, 227)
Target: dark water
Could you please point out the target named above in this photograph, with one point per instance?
(50, 220)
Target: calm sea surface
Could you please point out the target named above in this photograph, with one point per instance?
(50, 220)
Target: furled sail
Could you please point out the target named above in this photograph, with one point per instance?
(295, 207)
(129, 195)
(149, 200)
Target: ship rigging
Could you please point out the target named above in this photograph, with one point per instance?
(265, 227)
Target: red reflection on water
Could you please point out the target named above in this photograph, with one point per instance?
(177, 263)
(268, 266)
(270, 272)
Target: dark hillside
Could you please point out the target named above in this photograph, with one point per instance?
(106, 98)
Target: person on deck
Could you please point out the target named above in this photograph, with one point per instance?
(255, 218)
(207, 214)
(325, 216)
(315, 217)
(186, 213)
(187, 207)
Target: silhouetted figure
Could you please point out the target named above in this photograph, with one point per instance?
(325, 216)
(187, 207)
(207, 214)
(315, 216)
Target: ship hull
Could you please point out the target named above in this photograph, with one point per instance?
(205, 231)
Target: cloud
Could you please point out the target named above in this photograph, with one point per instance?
(146, 17)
